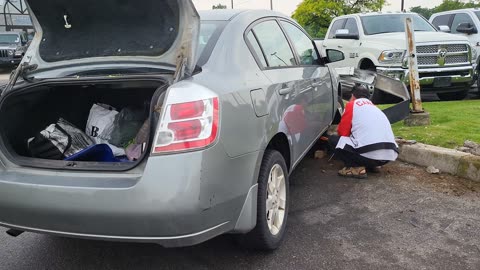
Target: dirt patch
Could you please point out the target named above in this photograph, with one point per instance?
(443, 183)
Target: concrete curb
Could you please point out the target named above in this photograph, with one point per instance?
(446, 160)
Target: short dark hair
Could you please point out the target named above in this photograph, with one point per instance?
(360, 91)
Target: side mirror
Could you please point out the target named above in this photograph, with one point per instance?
(345, 34)
(334, 56)
(467, 28)
(444, 28)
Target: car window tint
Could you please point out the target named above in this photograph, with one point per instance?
(256, 48)
(459, 19)
(302, 43)
(442, 20)
(274, 44)
(336, 26)
(351, 25)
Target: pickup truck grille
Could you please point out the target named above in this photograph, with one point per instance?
(3, 53)
(443, 55)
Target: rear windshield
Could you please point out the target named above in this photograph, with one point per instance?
(391, 23)
(9, 39)
(209, 33)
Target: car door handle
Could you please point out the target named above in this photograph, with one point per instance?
(324, 46)
(285, 90)
(340, 46)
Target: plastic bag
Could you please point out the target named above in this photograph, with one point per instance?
(58, 141)
(135, 150)
(100, 125)
(127, 124)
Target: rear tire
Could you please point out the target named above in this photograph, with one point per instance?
(453, 96)
(273, 193)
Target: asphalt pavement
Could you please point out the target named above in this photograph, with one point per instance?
(402, 218)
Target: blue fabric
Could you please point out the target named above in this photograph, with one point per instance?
(96, 153)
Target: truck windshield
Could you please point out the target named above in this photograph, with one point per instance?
(9, 39)
(478, 14)
(391, 23)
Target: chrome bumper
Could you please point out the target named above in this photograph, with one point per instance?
(458, 75)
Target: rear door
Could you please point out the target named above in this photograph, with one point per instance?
(280, 64)
(319, 112)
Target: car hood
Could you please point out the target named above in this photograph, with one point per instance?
(113, 32)
(397, 40)
(8, 46)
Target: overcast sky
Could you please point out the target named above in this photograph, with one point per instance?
(288, 6)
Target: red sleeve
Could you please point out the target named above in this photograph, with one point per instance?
(345, 126)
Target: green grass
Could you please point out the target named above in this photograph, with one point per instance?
(451, 124)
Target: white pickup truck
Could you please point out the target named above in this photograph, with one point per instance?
(376, 41)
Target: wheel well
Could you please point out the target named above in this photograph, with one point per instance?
(367, 64)
(280, 143)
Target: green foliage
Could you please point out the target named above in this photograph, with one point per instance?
(446, 5)
(315, 15)
(219, 6)
(453, 122)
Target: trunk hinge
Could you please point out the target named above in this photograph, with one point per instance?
(19, 72)
(181, 70)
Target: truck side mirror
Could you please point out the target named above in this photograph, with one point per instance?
(467, 28)
(334, 56)
(444, 28)
(345, 34)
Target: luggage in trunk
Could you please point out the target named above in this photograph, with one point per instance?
(24, 113)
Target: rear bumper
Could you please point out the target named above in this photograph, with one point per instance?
(164, 204)
(461, 78)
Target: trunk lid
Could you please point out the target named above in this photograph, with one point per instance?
(79, 33)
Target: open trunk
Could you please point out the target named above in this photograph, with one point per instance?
(26, 112)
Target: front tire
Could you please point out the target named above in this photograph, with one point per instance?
(272, 204)
(453, 96)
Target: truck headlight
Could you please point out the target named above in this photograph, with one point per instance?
(18, 53)
(392, 57)
(10, 52)
(474, 54)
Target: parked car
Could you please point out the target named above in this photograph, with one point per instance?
(463, 22)
(376, 41)
(12, 48)
(237, 100)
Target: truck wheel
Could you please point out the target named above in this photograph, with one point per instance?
(272, 206)
(478, 85)
(460, 95)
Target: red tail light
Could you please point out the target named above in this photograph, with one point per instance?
(187, 126)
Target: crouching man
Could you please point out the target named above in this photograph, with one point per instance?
(366, 141)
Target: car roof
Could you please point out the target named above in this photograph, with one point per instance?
(456, 11)
(377, 13)
(230, 14)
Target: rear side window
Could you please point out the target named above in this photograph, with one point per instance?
(459, 19)
(443, 20)
(302, 43)
(274, 44)
(351, 25)
(256, 48)
(337, 25)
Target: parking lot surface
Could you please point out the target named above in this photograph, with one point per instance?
(402, 218)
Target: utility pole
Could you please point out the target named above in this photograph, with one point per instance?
(403, 6)
(418, 117)
(271, 4)
(232, 4)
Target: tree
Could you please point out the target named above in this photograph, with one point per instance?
(425, 12)
(446, 5)
(219, 6)
(315, 15)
